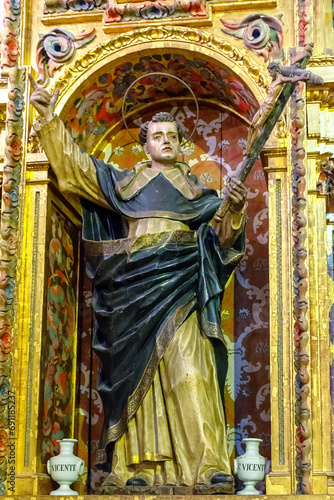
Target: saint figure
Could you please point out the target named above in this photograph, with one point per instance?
(159, 255)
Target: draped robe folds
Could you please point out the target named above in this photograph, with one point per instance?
(151, 292)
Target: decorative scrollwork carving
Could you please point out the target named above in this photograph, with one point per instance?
(261, 33)
(156, 9)
(166, 33)
(56, 48)
(300, 302)
(9, 211)
(9, 240)
(79, 5)
(56, 6)
(325, 96)
(10, 35)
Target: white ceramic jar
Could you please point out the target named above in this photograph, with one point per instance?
(65, 468)
(250, 467)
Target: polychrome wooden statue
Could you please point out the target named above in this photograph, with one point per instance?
(159, 256)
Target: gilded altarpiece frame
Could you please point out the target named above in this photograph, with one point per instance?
(32, 477)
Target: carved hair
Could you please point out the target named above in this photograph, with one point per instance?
(160, 117)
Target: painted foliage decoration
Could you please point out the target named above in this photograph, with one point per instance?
(188, 37)
(54, 6)
(58, 344)
(56, 48)
(156, 9)
(9, 226)
(8, 260)
(305, 8)
(99, 106)
(261, 33)
(10, 34)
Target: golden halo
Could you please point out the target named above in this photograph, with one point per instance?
(161, 74)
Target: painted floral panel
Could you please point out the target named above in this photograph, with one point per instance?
(58, 344)
(99, 107)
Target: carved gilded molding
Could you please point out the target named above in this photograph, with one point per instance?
(325, 60)
(239, 59)
(72, 18)
(2, 116)
(189, 22)
(274, 153)
(324, 95)
(37, 162)
(253, 5)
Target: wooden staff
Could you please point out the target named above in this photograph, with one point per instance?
(266, 130)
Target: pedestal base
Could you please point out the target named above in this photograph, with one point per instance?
(167, 491)
(166, 497)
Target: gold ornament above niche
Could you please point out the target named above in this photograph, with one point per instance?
(61, 16)
(59, 19)
(122, 27)
(123, 11)
(177, 37)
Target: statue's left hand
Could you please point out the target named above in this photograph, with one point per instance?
(237, 194)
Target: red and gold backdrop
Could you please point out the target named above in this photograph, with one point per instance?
(216, 150)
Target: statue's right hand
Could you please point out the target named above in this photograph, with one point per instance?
(42, 101)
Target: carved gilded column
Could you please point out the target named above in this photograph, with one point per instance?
(301, 272)
(281, 478)
(26, 378)
(319, 146)
(47, 321)
(300, 303)
(318, 327)
(10, 251)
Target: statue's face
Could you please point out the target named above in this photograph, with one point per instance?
(162, 142)
(272, 72)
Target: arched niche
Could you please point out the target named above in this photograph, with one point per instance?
(228, 96)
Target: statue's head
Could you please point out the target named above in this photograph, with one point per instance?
(161, 117)
(161, 138)
(273, 69)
